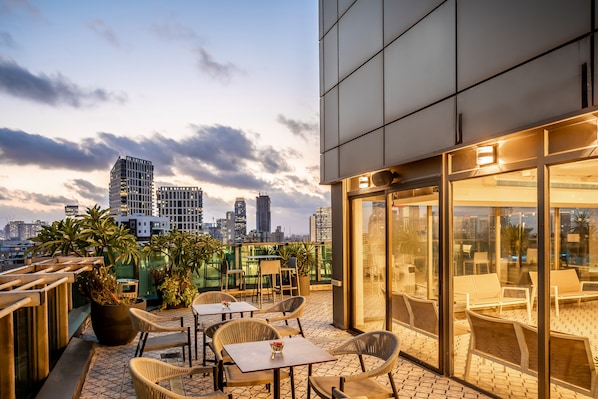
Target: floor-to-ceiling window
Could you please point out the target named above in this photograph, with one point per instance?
(414, 254)
(573, 277)
(494, 249)
(368, 262)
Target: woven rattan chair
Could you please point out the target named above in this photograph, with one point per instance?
(381, 344)
(146, 323)
(289, 309)
(147, 373)
(209, 332)
(198, 326)
(238, 331)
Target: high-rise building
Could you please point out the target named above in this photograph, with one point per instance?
(262, 214)
(183, 206)
(131, 187)
(71, 210)
(240, 219)
(321, 225)
(19, 230)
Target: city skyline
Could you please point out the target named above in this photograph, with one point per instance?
(219, 95)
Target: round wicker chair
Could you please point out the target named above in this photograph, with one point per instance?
(146, 373)
(207, 297)
(381, 344)
(238, 331)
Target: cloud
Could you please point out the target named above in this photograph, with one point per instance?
(88, 190)
(22, 196)
(104, 31)
(6, 40)
(54, 91)
(10, 6)
(298, 128)
(21, 148)
(174, 31)
(220, 71)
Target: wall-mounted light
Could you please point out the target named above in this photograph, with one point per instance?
(486, 155)
(384, 177)
(364, 181)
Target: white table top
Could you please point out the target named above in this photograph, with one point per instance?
(217, 308)
(257, 356)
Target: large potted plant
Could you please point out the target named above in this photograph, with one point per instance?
(96, 234)
(184, 253)
(305, 255)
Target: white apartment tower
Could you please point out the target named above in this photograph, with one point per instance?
(131, 187)
(183, 206)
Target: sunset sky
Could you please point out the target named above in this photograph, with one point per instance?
(222, 95)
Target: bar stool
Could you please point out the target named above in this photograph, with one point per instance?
(238, 273)
(270, 269)
(291, 273)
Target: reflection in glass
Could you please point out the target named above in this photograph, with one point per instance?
(494, 249)
(414, 272)
(368, 262)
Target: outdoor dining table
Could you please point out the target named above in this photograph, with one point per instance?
(205, 309)
(257, 356)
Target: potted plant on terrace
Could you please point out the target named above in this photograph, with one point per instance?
(96, 234)
(305, 254)
(184, 253)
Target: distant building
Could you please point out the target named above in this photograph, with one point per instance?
(320, 225)
(183, 206)
(262, 214)
(71, 210)
(131, 187)
(240, 220)
(19, 230)
(278, 235)
(143, 226)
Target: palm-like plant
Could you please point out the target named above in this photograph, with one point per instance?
(93, 234)
(185, 253)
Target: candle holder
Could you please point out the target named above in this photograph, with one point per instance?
(225, 305)
(276, 347)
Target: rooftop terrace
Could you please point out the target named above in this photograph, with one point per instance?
(108, 375)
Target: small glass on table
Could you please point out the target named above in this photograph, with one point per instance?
(276, 347)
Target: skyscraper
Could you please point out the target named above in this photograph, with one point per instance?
(321, 225)
(240, 219)
(183, 206)
(262, 215)
(131, 187)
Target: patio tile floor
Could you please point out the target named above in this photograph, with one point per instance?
(108, 376)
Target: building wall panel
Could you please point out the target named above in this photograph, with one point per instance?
(330, 119)
(359, 35)
(493, 36)
(424, 132)
(532, 93)
(362, 154)
(360, 101)
(400, 15)
(330, 165)
(419, 69)
(330, 60)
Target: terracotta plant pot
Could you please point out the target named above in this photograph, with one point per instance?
(112, 323)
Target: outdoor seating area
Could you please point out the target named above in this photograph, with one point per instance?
(110, 373)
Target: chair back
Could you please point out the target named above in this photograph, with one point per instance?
(381, 344)
(143, 320)
(242, 330)
(571, 358)
(500, 338)
(479, 257)
(145, 372)
(400, 310)
(270, 267)
(425, 314)
(213, 297)
(292, 307)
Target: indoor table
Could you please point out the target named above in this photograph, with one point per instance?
(257, 356)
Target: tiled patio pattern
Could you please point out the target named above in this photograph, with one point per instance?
(108, 376)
